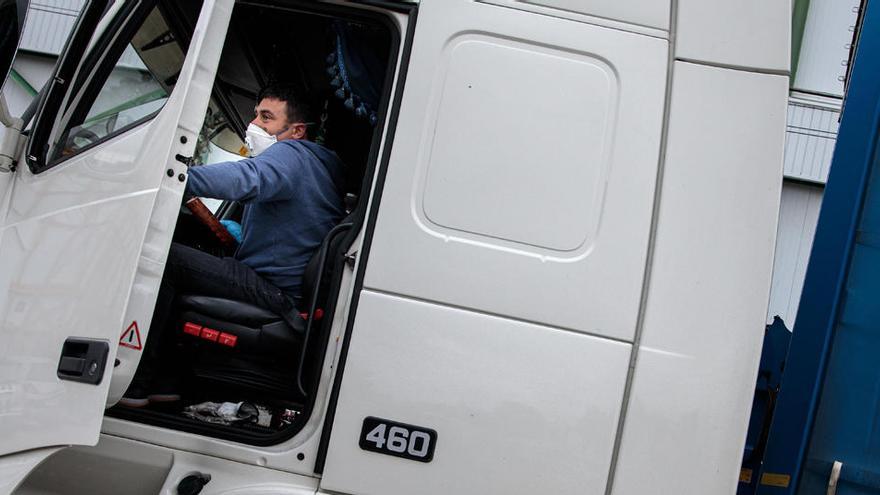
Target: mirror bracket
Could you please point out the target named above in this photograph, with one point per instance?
(11, 140)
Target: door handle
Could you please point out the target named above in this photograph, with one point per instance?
(83, 360)
(834, 478)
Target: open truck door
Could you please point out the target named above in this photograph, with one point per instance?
(87, 215)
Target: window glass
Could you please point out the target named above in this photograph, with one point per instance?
(136, 88)
(218, 141)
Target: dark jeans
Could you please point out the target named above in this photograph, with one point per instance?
(191, 271)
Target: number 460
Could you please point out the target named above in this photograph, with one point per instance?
(400, 440)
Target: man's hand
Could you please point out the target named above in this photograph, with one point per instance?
(204, 215)
(233, 227)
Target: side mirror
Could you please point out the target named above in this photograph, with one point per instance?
(12, 17)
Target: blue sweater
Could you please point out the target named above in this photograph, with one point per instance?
(291, 202)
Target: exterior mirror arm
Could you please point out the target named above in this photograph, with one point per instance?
(10, 139)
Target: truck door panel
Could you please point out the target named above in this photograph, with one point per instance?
(74, 233)
(508, 255)
(505, 395)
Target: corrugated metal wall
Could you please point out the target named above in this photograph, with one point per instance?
(798, 214)
(48, 24)
(809, 147)
(809, 140)
(825, 48)
(813, 114)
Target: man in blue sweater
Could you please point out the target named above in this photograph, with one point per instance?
(292, 195)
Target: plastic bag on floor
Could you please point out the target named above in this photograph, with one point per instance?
(229, 413)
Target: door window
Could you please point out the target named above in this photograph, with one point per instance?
(218, 140)
(125, 92)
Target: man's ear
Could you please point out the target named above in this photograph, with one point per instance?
(298, 131)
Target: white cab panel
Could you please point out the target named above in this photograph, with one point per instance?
(511, 416)
(528, 165)
(649, 13)
(121, 466)
(684, 433)
(753, 34)
(46, 265)
(15, 467)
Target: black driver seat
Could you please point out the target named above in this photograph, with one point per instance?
(235, 345)
(244, 327)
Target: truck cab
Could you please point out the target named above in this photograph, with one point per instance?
(552, 274)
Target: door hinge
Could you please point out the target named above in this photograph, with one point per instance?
(12, 141)
(350, 258)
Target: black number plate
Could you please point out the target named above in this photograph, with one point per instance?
(398, 439)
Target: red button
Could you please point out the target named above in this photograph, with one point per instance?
(209, 334)
(319, 313)
(227, 339)
(192, 329)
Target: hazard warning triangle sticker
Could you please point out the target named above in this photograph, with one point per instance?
(131, 337)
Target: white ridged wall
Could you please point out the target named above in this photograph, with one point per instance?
(813, 121)
(809, 139)
(825, 47)
(48, 24)
(798, 213)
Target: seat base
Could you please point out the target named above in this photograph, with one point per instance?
(238, 325)
(241, 313)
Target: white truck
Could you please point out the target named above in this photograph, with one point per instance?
(553, 277)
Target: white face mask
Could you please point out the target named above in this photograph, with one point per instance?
(258, 140)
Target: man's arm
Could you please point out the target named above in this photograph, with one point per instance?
(267, 177)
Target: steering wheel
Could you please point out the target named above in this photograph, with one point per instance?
(204, 215)
(82, 133)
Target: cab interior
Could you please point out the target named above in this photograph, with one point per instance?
(228, 351)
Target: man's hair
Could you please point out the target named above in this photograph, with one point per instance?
(297, 107)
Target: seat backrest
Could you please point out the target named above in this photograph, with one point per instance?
(313, 269)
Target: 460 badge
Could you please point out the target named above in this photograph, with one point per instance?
(398, 439)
